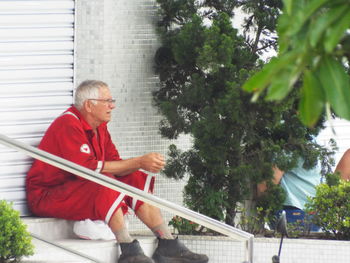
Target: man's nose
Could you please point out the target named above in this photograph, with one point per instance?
(112, 105)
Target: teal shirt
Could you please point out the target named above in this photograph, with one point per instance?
(299, 184)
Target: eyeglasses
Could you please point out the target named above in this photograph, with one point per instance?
(106, 101)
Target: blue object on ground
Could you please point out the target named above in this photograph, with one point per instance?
(298, 216)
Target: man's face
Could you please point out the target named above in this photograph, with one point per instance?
(102, 110)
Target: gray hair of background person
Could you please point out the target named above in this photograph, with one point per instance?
(88, 89)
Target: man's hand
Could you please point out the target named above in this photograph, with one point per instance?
(152, 162)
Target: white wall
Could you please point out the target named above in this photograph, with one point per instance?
(116, 42)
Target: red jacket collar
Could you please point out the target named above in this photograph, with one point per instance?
(85, 124)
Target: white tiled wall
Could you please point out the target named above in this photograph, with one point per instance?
(224, 250)
(301, 250)
(116, 42)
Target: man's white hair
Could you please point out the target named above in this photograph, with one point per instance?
(88, 89)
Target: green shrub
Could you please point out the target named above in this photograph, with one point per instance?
(331, 206)
(254, 221)
(298, 229)
(270, 202)
(15, 241)
(183, 226)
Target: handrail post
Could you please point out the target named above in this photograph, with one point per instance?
(250, 249)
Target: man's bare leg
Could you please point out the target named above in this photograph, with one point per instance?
(131, 250)
(152, 218)
(117, 224)
(168, 249)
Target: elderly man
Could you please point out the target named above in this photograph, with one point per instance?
(80, 135)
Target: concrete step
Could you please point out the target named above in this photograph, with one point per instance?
(50, 228)
(218, 248)
(50, 254)
(101, 251)
(60, 232)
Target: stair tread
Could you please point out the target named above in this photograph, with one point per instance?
(44, 252)
(103, 250)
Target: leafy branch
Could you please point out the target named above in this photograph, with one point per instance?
(313, 48)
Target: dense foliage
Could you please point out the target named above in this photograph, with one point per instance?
(314, 44)
(202, 63)
(15, 241)
(331, 206)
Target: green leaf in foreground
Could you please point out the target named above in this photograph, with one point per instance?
(335, 83)
(322, 23)
(336, 33)
(312, 100)
(263, 78)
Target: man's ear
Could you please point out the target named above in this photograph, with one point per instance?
(87, 106)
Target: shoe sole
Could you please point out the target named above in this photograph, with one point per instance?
(135, 260)
(161, 259)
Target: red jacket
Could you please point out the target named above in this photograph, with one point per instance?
(71, 138)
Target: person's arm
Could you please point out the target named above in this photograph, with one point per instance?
(151, 162)
(277, 175)
(276, 179)
(343, 166)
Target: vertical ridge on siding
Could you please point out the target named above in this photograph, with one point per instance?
(36, 80)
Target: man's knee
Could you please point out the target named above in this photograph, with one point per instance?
(147, 208)
(117, 219)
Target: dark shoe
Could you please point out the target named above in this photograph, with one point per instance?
(174, 251)
(133, 253)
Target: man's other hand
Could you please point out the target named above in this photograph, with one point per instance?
(152, 162)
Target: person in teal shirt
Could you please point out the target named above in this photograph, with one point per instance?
(299, 184)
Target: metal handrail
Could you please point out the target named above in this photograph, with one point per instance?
(106, 181)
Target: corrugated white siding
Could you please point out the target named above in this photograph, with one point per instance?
(36, 80)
